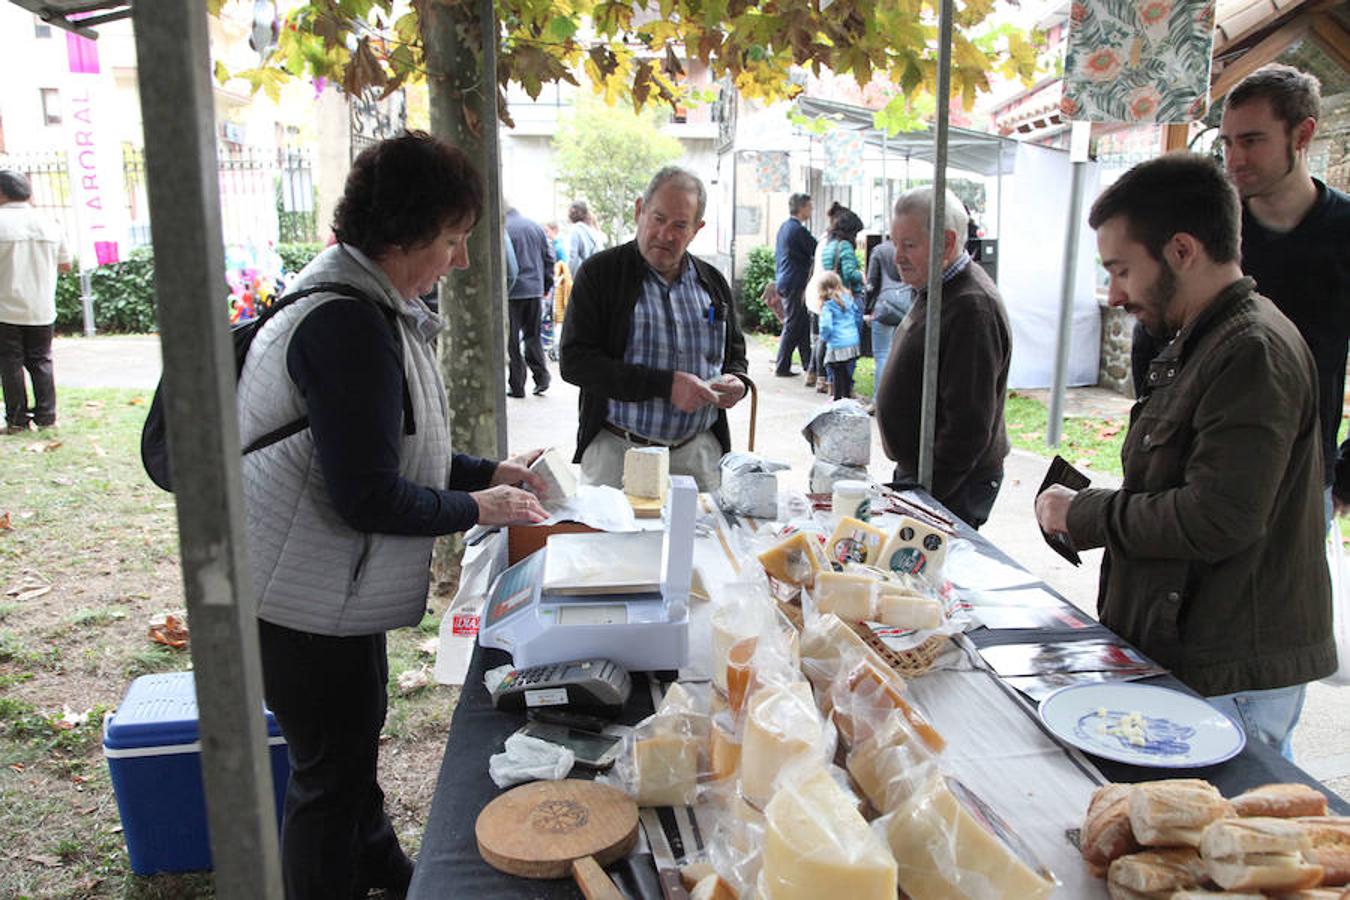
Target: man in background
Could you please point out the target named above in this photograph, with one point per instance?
(1295, 240)
(793, 254)
(32, 251)
(970, 439)
(534, 255)
(652, 339)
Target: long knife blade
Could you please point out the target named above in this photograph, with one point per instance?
(672, 888)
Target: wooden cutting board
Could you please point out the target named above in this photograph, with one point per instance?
(646, 507)
(539, 830)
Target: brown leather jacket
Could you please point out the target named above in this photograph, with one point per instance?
(1215, 563)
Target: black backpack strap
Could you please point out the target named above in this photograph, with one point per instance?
(349, 292)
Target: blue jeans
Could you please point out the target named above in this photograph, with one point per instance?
(1267, 716)
(881, 350)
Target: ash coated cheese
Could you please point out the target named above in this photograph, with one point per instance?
(667, 769)
(948, 846)
(646, 472)
(915, 549)
(816, 844)
(855, 541)
(561, 483)
(782, 724)
(795, 560)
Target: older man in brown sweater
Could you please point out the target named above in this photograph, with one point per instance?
(970, 440)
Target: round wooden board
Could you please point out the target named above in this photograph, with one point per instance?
(538, 829)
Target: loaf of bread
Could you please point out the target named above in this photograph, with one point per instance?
(1282, 801)
(1106, 832)
(1173, 813)
(1259, 853)
(1330, 837)
(1155, 873)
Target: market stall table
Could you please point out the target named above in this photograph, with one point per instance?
(449, 864)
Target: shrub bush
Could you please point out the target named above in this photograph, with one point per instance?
(124, 292)
(755, 316)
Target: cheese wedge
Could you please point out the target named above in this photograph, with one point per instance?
(667, 769)
(782, 724)
(851, 596)
(560, 482)
(646, 472)
(713, 887)
(796, 560)
(902, 609)
(915, 549)
(855, 541)
(891, 763)
(816, 845)
(949, 848)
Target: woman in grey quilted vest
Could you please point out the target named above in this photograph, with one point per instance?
(343, 512)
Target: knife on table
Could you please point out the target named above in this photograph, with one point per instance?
(672, 888)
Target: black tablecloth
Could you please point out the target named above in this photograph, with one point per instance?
(448, 864)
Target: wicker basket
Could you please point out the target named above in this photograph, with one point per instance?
(907, 663)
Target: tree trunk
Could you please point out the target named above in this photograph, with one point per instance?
(462, 84)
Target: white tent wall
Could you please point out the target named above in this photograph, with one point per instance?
(1031, 247)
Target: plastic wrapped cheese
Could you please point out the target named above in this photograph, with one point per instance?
(852, 596)
(795, 560)
(782, 724)
(891, 763)
(646, 472)
(951, 846)
(666, 764)
(915, 549)
(901, 609)
(816, 845)
(855, 541)
(830, 647)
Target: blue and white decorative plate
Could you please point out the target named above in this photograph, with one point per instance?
(1142, 725)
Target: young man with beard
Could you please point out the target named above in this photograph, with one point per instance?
(1295, 238)
(1214, 559)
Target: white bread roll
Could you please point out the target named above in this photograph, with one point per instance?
(1173, 813)
(1263, 854)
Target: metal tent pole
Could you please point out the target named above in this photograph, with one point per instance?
(180, 154)
(1078, 155)
(937, 233)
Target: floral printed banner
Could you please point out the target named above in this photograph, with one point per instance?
(843, 157)
(1138, 60)
(772, 173)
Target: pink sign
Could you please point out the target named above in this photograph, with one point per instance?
(94, 157)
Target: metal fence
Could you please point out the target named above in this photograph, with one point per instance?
(265, 195)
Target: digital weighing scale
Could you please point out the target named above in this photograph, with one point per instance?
(641, 631)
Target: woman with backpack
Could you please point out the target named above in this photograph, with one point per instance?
(888, 301)
(841, 320)
(342, 511)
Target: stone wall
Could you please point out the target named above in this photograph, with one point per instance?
(1114, 369)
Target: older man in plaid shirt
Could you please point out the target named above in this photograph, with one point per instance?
(653, 341)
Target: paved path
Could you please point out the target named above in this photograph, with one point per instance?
(784, 406)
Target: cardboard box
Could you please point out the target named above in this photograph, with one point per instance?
(154, 758)
(522, 540)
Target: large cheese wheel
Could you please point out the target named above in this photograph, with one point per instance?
(947, 849)
(816, 845)
(782, 724)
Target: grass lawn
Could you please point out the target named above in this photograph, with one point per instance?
(88, 555)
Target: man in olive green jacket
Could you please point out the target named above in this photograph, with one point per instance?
(1214, 562)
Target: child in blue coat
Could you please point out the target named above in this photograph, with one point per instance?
(841, 319)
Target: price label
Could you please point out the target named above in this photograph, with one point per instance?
(464, 624)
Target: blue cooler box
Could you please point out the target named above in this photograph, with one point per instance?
(154, 756)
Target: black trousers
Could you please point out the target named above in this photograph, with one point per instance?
(841, 378)
(27, 347)
(526, 316)
(329, 697)
(796, 335)
(972, 500)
